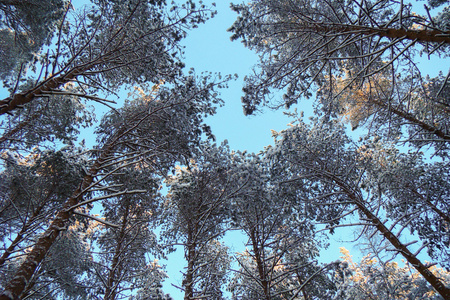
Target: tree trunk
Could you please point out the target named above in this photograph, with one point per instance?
(409, 117)
(435, 282)
(189, 278)
(15, 287)
(430, 36)
(260, 264)
(300, 281)
(18, 99)
(111, 292)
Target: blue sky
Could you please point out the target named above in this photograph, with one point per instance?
(209, 48)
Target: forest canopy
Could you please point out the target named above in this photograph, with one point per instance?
(93, 220)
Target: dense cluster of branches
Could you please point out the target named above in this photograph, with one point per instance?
(53, 244)
(90, 221)
(329, 49)
(360, 61)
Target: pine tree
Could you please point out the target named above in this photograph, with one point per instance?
(320, 166)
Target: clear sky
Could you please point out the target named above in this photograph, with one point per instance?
(209, 48)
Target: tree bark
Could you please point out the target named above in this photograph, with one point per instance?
(18, 99)
(435, 282)
(300, 281)
(191, 256)
(433, 36)
(409, 117)
(17, 285)
(260, 263)
(111, 292)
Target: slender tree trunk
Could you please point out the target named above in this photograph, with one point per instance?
(441, 214)
(191, 256)
(435, 282)
(17, 285)
(409, 117)
(18, 99)
(260, 264)
(430, 36)
(111, 292)
(300, 281)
